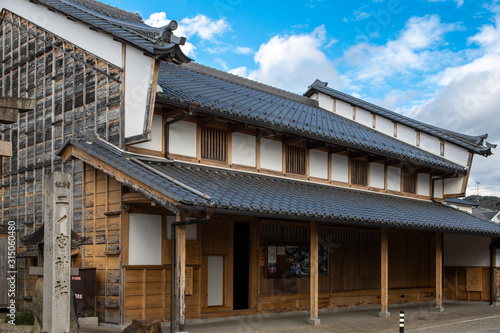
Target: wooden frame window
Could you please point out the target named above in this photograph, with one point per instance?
(295, 160)
(213, 144)
(409, 180)
(359, 172)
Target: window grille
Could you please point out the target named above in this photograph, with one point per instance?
(359, 172)
(295, 160)
(213, 144)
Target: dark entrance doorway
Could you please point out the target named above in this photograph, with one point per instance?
(241, 265)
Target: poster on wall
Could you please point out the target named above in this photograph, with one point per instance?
(293, 261)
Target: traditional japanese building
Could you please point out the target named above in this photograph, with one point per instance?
(267, 201)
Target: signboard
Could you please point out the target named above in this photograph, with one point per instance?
(292, 260)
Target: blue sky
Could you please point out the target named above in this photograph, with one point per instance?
(437, 61)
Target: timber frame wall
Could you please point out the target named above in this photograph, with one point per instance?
(74, 92)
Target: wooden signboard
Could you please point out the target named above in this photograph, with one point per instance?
(189, 280)
(474, 278)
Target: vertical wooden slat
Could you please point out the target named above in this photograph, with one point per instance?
(384, 274)
(439, 271)
(180, 275)
(313, 271)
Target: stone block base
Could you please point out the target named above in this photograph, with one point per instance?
(314, 321)
(384, 314)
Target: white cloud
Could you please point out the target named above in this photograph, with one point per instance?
(293, 62)
(415, 49)
(157, 20)
(240, 71)
(359, 16)
(243, 50)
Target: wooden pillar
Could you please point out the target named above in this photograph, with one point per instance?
(254, 293)
(180, 275)
(439, 272)
(384, 274)
(313, 273)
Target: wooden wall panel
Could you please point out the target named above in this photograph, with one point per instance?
(455, 285)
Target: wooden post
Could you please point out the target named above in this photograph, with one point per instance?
(180, 275)
(313, 273)
(253, 296)
(439, 272)
(384, 274)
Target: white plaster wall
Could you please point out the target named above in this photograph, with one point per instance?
(343, 109)
(430, 144)
(384, 125)
(325, 102)
(424, 187)
(190, 229)
(144, 239)
(456, 154)
(182, 138)
(377, 175)
(466, 250)
(244, 150)
(364, 117)
(215, 280)
(340, 168)
(156, 142)
(393, 178)
(453, 185)
(438, 188)
(271, 155)
(138, 73)
(318, 164)
(407, 134)
(77, 33)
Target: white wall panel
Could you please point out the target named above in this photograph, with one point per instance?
(466, 250)
(343, 109)
(144, 239)
(138, 74)
(424, 187)
(156, 142)
(430, 144)
(215, 280)
(407, 134)
(364, 117)
(377, 175)
(318, 164)
(182, 138)
(325, 102)
(438, 188)
(456, 154)
(453, 185)
(244, 149)
(271, 155)
(384, 125)
(340, 168)
(393, 178)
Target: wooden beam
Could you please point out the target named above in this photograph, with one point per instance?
(8, 116)
(5, 149)
(384, 274)
(236, 127)
(203, 121)
(315, 144)
(180, 275)
(439, 272)
(20, 104)
(313, 272)
(289, 139)
(392, 162)
(264, 133)
(376, 158)
(335, 150)
(254, 294)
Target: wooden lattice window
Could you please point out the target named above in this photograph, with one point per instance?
(359, 172)
(409, 181)
(295, 160)
(213, 144)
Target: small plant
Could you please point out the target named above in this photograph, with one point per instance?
(23, 318)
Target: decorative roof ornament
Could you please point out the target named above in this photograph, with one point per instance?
(167, 37)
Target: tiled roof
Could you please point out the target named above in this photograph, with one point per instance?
(274, 197)
(472, 143)
(236, 98)
(121, 24)
(460, 202)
